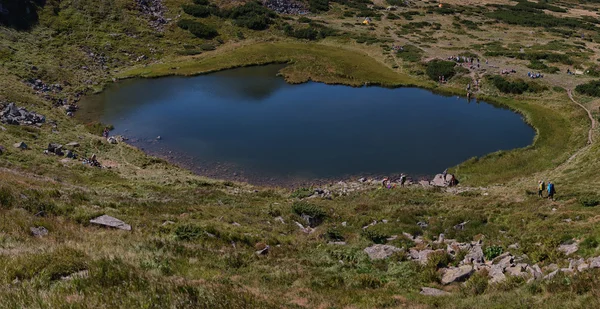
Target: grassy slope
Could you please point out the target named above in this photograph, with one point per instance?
(155, 266)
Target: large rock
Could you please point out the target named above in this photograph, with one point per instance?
(496, 273)
(516, 271)
(111, 222)
(535, 271)
(433, 292)
(456, 274)
(379, 252)
(11, 114)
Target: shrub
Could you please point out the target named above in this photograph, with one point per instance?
(369, 281)
(49, 266)
(316, 6)
(437, 68)
(492, 252)
(334, 234)
(477, 284)
(201, 2)
(198, 29)
(518, 86)
(396, 2)
(591, 88)
(196, 10)
(437, 260)
(6, 198)
(189, 232)
(589, 200)
(252, 15)
(375, 236)
(304, 20)
(302, 208)
(589, 243)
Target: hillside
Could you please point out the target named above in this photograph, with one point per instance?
(197, 242)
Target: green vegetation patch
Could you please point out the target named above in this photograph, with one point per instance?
(437, 68)
(410, 53)
(591, 88)
(198, 29)
(518, 86)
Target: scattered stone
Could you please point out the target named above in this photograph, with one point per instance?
(290, 7)
(378, 252)
(236, 224)
(280, 219)
(535, 271)
(551, 267)
(516, 271)
(109, 221)
(344, 223)
(306, 230)
(72, 144)
(423, 255)
(39, 231)
(167, 223)
(20, 145)
(433, 292)
(338, 243)
(55, 149)
(264, 251)
(455, 274)
(422, 224)
(568, 249)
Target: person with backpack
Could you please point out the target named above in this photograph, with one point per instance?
(541, 188)
(551, 191)
(402, 180)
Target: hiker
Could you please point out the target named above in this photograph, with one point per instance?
(551, 191)
(105, 133)
(444, 173)
(541, 187)
(384, 182)
(402, 180)
(452, 181)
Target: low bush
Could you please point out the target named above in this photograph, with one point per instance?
(198, 29)
(196, 10)
(477, 284)
(518, 86)
(589, 200)
(316, 6)
(302, 208)
(375, 236)
(47, 266)
(492, 252)
(252, 15)
(189, 232)
(591, 88)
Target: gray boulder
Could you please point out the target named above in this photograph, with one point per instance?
(433, 292)
(379, 252)
(109, 221)
(456, 274)
(594, 262)
(72, 144)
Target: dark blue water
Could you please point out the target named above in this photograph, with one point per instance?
(248, 124)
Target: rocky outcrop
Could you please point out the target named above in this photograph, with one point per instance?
(11, 114)
(154, 10)
(39, 231)
(379, 252)
(568, 249)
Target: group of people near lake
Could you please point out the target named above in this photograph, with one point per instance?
(548, 188)
(388, 184)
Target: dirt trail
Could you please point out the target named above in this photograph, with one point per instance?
(593, 121)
